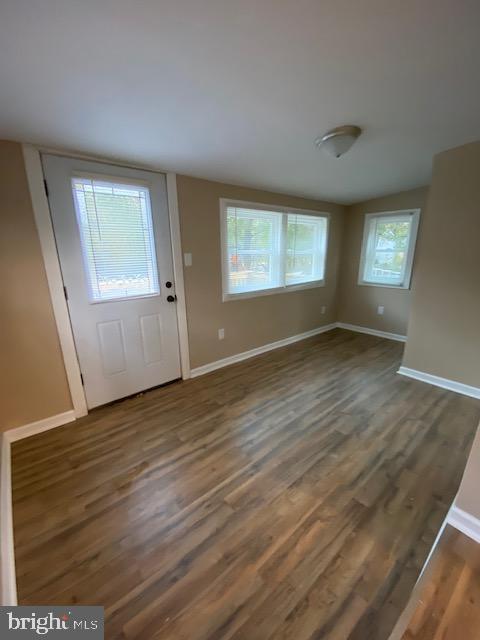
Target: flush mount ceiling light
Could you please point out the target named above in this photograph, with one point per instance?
(338, 141)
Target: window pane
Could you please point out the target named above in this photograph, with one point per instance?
(306, 242)
(392, 235)
(387, 248)
(116, 234)
(253, 249)
(388, 265)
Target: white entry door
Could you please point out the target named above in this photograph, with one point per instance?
(113, 239)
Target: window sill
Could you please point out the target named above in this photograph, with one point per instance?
(228, 297)
(402, 287)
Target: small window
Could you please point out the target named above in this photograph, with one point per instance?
(388, 248)
(269, 250)
(116, 235)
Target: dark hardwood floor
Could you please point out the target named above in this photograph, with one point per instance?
(295, 496)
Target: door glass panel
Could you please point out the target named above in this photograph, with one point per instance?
(116, 235)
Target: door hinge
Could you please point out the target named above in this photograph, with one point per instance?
(81, 378)
(65, 292)
(46, 188)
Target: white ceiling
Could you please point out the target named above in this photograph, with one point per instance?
(237, 90)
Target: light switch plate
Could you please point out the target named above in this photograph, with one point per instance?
(187, 259)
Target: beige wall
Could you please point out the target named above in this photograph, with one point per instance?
(32, 378)
(252, 322)
(443, 337)
(444, 325)
(358, 303)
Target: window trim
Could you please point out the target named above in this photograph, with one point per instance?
(415, 213)
(226, 202)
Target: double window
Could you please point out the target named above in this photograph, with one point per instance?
(388, 248)
(271, 249)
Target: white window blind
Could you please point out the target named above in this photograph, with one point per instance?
(388, 246)
(306, 244)
(116, 234)
(271, 249)
(253, 249)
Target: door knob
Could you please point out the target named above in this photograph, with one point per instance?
(171, 298)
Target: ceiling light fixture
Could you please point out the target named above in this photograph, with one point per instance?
(338, 141)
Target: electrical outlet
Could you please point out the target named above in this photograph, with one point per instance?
(323, 309)
(380, 310)
(221, 334)
(187, 259)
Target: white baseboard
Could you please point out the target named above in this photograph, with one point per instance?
(40, 425)
(373, 332)
(224, 362)
(445, 383)
(7, 551)
(465, 522)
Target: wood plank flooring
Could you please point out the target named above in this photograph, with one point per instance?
(449, 605)
(291, 496)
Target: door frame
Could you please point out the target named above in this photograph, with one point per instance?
(41, 211)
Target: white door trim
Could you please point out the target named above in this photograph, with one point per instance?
(41, 211)
(175, 232)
